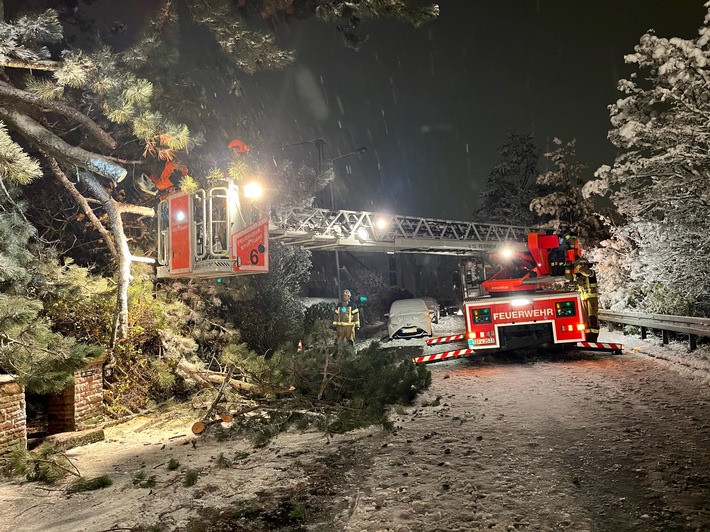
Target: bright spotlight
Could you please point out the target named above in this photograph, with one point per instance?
(507, 253)
(381, 224)
(362, 234)
(520, 302)
(252, 191)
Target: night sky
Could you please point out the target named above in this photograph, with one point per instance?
(433, 104)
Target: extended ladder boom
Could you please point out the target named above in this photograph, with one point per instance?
(323, 229)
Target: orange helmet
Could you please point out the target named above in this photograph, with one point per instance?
(238, 146)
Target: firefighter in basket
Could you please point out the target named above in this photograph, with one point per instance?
(585, 277)
(346, 319)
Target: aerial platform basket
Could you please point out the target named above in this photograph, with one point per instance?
(211, 233)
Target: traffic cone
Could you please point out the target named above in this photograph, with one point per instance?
(300, 345)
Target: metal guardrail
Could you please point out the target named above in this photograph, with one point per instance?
(665, 323)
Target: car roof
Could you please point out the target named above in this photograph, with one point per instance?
(408, 305)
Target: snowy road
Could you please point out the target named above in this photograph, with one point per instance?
(581, 442)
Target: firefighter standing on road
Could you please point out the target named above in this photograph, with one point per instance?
(347, 318)
(586, 279)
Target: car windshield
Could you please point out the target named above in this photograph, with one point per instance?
(430, 303)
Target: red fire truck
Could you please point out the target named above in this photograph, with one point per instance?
(523, 304)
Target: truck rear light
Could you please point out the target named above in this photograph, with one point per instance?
(570, 328)
(471, 335)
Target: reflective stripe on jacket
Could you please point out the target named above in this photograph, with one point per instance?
(347, 315)
(587, 285)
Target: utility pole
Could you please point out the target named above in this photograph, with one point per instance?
(356, 151)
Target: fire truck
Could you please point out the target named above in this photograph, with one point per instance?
(526, 303)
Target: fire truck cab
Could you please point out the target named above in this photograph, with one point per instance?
(524, 320)
(211, 233)
(519, 309)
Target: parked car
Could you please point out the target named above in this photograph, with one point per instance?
(434, 309)
(449, 308)
(408, 318)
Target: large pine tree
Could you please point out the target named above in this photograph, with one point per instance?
(40, 359)
(562, 203)
(89, 111)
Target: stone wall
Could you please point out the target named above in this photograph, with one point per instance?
(13, 422)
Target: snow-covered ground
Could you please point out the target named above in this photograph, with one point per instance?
(583, 442)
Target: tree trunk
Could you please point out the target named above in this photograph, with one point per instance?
(203, 376)
(83, 203)
(47, 141)
(200, 426)
(124, 253)
(92, 127)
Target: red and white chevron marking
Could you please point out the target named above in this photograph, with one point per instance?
(445, 339)
(436, 357)
(597, 345)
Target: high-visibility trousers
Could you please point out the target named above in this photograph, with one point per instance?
(345, 332)
(590, 308)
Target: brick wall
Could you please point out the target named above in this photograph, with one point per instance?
(89, 392)
(13, 422)
(67, 411)
(78, 403)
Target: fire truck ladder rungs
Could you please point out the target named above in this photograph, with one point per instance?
(323, 229)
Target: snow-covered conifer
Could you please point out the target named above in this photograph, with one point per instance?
(511, 184)
(661, 179)
(563, 204)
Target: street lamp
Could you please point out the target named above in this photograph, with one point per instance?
(356, 151)
(320, 147)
